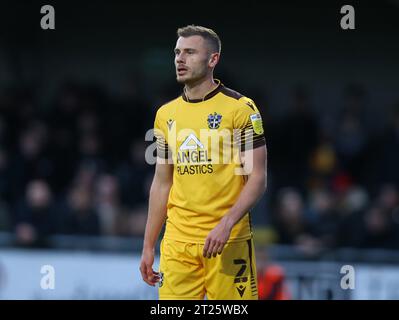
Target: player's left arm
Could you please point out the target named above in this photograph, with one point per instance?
(255, 166)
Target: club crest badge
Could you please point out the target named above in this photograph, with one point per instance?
(214, 120)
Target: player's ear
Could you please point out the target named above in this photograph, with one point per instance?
(214, 59)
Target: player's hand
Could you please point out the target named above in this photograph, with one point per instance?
(216, 239)
(148, 274)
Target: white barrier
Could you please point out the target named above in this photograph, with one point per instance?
(310, 280)
(77, 275)
(88, 275)
(377, 283)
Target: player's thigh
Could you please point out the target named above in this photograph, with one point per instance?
(182, 273)
(232, 275)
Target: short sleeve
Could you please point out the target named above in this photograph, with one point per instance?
(248, 125)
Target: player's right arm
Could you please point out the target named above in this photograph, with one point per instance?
(159, 194)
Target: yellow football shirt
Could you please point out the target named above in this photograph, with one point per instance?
(203, 139)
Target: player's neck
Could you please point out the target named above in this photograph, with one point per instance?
(200, 89)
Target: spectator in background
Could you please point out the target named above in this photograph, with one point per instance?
(132, 174)
(324, 217)
(291, 224)
(378, 229)
(113, 216)
(90, 150)
(68, 102)
(35, 217)
(355, 127)
(80, 217)
(31, 160)
(388, 198)
(323, 164)
(135, 177)
(64, 135)
(85, 176)
(351, 202)
(290, 220)
(76, 209)
(273, 283)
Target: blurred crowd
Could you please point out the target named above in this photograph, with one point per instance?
(335, 174)
(77, 167)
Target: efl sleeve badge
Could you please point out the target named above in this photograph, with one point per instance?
(256, 120)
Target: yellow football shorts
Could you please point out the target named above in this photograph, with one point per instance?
(187, 274)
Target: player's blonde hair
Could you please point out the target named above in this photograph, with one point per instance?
(208, 34)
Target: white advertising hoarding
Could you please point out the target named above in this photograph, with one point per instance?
(27, 274)
(376, 283)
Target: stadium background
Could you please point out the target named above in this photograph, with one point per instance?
(76, 102)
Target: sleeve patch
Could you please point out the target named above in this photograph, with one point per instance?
(256, 120)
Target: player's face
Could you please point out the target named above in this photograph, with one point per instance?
(191, 59)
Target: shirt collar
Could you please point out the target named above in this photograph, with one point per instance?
(209, 95)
